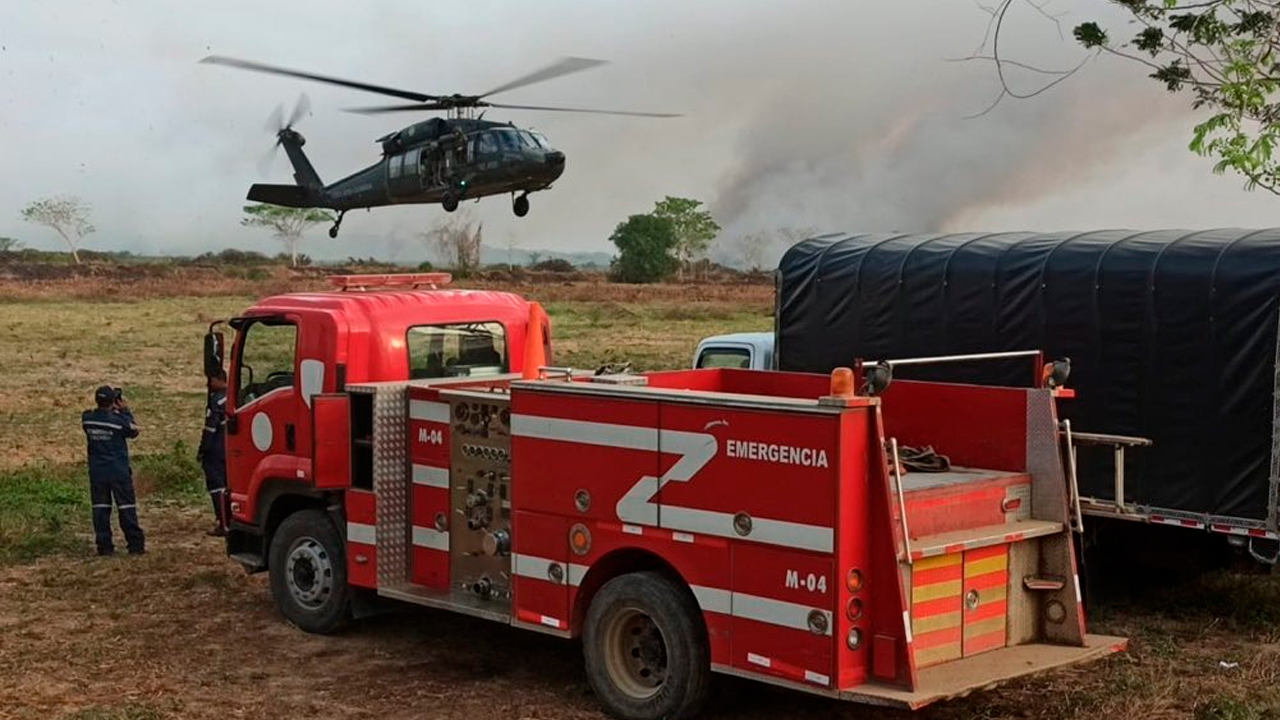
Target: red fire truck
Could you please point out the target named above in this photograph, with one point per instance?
(413, 444)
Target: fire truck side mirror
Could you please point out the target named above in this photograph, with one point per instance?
(213, 351)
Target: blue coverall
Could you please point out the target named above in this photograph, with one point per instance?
(108, 431)
(213, 454)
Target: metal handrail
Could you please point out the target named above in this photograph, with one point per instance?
(1077, 515)
(902, 503)
(1036, 355)
(964, 358)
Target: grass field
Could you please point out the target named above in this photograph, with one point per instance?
(164, 636)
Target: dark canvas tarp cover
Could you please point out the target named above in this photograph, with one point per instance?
(1171, 335)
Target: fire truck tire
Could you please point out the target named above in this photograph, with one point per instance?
(646, 649)
(309, 573)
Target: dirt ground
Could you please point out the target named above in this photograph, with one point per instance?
(184, 633)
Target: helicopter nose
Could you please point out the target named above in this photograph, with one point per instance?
(555, 158)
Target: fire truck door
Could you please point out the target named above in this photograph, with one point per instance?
(959, 604)
(263, 415)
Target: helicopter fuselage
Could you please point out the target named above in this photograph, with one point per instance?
(491, 161)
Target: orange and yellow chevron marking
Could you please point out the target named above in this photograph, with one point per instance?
(986, 571)
(936, 610)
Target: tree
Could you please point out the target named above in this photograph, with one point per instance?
(66, 215)
(285, 223)
(457, 239)
(8, 244)
(646, 249)
(754, 249)
(694, 227)
(1224, 53)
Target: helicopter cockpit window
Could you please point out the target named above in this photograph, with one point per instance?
(509, 139)
(411, 161)
(542, 139)
(393, 166)
(486, 144)
(529, 140)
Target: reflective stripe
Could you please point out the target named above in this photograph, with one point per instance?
(763, 530)
(222, 400)
(430, 476)
(127, 507)
(718, 600)
(776, 612)
(99, 423)
(428, 411)
(431, 538)
(107, 506)
(535, 567)
(637, 505)
(362, 533)
(713, 599)
(209, 429)
(218, 491)
(818, 678)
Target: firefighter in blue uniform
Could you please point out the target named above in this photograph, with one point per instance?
(213, 450)
(108, 429)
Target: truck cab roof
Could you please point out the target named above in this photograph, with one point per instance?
(367, 331)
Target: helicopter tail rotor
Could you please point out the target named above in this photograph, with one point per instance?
(276, 124)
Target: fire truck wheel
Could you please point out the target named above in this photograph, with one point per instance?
(309, 573)
(646, 649)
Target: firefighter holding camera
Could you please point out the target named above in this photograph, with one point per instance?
(213, 450)
(108, 429)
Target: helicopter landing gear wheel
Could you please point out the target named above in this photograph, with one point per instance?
(520, 206)
(449, 202)
(333, 231)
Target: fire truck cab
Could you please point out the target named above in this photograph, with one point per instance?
(414, 445)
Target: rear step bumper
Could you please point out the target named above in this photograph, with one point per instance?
(980, 672)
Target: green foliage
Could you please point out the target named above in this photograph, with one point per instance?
(286, 224)
(1223, 52)
(44, 508)
(8, 245)
(174, 473)
(40, 506)
(554, 265)
(232, 256)
(646, 249)
(66, 215)
(694, 227)
(425, 266)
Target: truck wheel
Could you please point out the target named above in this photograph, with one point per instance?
(646, 649)
(309, 573)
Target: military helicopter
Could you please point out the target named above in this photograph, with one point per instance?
(440, 160)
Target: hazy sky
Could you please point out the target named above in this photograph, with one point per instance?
(832, 114)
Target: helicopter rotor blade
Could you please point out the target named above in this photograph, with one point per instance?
(300, 110)
(377, 109)
(274, 70)
(275, 121)
(584, 110)
(564, 66)
(268, 159)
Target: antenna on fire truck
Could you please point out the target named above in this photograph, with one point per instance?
(431, 280)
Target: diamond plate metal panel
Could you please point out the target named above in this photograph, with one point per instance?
(391, 480)
(1044, 459)
(1049, 502)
